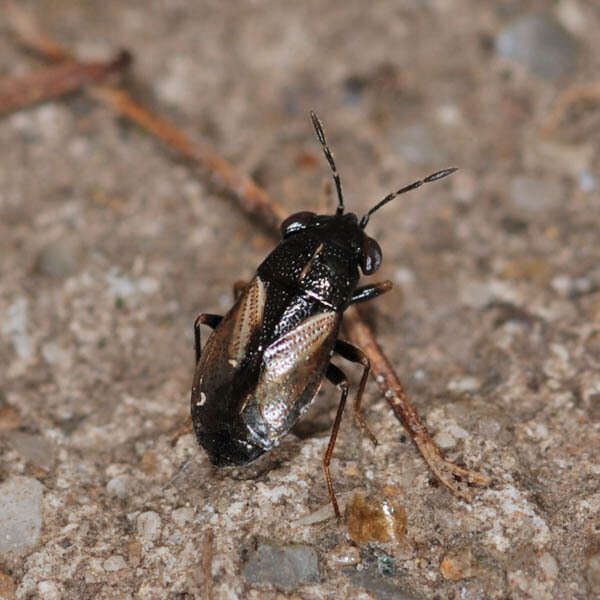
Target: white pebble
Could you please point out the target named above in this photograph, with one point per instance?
(148, 526)
(114, 563)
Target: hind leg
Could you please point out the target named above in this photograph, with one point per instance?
(204, 319)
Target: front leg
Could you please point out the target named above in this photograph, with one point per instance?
(204, 319)
(368, 292)
(238, 288)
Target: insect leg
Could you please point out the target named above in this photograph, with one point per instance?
(354, 354)
(337, 377)
(204, 319)
(368, 292)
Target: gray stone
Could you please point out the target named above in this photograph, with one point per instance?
(532, 195)
(114, 563)
(588, 182)
(539, 44)
(15, 326)
(149, 526)
(415, 143)
(120, 485)
(283, 566)
(33, 448)
(58, 258)
(20, 514)
(377, 584)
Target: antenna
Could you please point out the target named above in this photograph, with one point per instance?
(336, 178)
(413, 186)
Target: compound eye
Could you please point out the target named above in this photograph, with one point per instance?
(371, 257)
(296, 222)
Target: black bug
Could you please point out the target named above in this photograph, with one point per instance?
(265, 360)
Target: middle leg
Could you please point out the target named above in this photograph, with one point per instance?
(356, 355)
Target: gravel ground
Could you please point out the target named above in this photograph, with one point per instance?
(109, 248)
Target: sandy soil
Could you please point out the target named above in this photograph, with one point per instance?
(109, 248)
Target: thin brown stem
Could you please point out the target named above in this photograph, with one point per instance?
(455, 478)
(252, 198)
(54, 81)
(587, 92)
(207, 561)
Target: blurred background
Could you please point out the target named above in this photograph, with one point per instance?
(110, 247)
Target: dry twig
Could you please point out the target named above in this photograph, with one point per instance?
(589, 92)
(54, 81)
(251, 197)
(207, 560)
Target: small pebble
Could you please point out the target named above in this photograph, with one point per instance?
(549, 566)
(58, 259)
(416, 144)
(458, 566)
(119, 486)
(533, 195)
(48, 590)
(343, 556)
(588, 182)
(114, 563)
(540, 44)
(20, 514)
(182, 516)
(55, 355)
(149, 526)
(134, 553)
(15, 325)
(464, 384)
(444, 440)
(562, 284)
(386, 564)
(34, 448)
(283, 566)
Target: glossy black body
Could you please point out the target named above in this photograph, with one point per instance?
(299, 294)
(328, 249)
